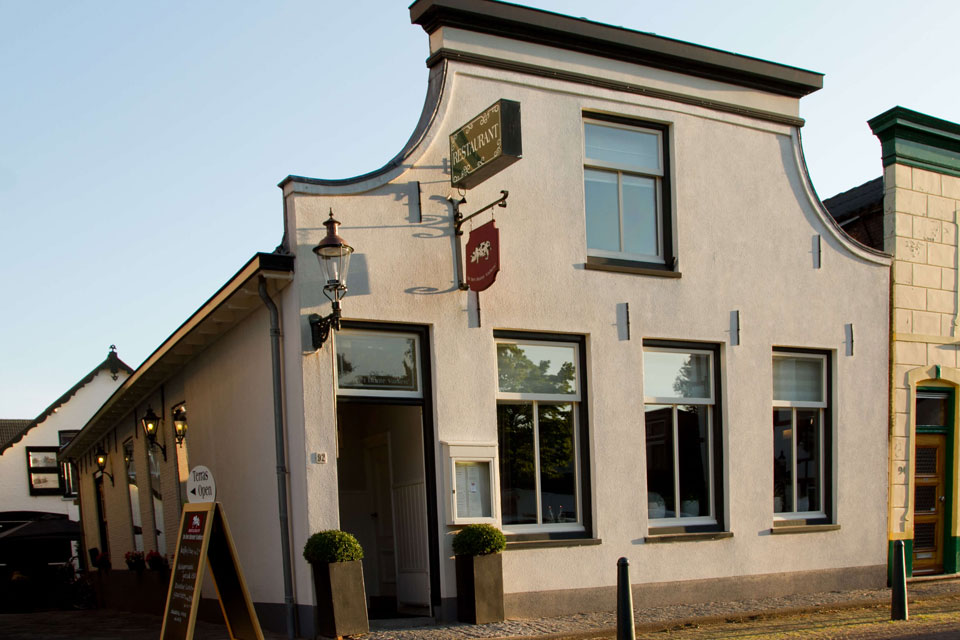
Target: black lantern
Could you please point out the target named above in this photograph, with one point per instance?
(100, 457)
(151, 426)
(180, 423)
(334, 257)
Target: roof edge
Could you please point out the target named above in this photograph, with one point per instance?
(595, 38)
(112, 363)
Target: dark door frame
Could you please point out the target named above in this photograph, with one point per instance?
(425, 402)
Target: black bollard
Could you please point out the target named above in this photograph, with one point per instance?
(898, 604)
(625, 628)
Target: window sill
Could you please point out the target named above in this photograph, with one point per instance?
(686, 537)
(785, 529)
(519, 545)
(590, 265)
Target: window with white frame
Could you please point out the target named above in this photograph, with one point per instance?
(801, 434)
(68, 470)
(627, 194)
(682, 434)
(540, 426)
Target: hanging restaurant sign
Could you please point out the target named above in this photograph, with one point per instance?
(483, 256)
(486, 145)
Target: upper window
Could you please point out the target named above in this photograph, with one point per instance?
(541, 434)
(627, 195)
(682, 435)
(801, 434)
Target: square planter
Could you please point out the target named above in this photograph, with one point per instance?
(341, 599)
(480, 588)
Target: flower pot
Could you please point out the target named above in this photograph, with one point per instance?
(480, 588)
(341, 600)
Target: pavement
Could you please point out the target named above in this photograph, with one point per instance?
(861, 614)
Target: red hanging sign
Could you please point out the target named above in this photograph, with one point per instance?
(483, 256)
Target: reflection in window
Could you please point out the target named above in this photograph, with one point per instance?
(679, 424)
(799, 401)
(156, 491)
(381, 362)
(537, 433)
(135, 518)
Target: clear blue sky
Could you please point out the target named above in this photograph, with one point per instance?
(141, 142)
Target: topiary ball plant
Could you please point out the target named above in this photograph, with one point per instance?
(478, 540)
(334, 545)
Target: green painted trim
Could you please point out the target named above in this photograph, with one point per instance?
(917, 140)
(908, 559)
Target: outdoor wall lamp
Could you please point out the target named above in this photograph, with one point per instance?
(334, 257)
(100, 457)
(180, 423)
(151, 425)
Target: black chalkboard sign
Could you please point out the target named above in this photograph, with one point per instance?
(205, 541)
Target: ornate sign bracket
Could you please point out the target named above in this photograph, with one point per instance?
(459, 219)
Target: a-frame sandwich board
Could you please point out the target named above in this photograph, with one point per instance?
(204, 539)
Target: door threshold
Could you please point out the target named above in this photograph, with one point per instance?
(389, 624)
(937, 577)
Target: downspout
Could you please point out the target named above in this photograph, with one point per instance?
(281, 459)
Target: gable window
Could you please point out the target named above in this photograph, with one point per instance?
(541, 428)
(682, 424)
(627, 194)
(43, 471)
(801, 434)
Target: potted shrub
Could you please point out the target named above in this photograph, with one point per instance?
(479, 573)
(155, 561)
(134, 560)
(338, 580)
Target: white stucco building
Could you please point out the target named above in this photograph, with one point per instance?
(34, 484)
(682, 361)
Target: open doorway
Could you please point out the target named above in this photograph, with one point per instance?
(383, 502)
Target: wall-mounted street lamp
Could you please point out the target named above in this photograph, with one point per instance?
(151, 426)
(334, 257)
(100, 457)
(180, 423)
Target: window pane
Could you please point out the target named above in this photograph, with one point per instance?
(693, 442)
(473, 489)
(518, 487)
(557, 456)
(157, 491)
(49, 481)
(376, 362)
(622, 146)
(602, 209)
(798, 379)
(782, 460)
(661, 502)
(534, 368)
(808, 459)
(134, 492)
(42, 459)
(668, 374)
(640, 234)
(931, 410)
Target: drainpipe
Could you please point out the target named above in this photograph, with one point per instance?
(281, 459)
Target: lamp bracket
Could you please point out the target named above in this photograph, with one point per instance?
(153, 443)
(459, 219)
(320, 326)
(109, 475)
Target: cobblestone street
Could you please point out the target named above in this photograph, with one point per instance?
(861, 614)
